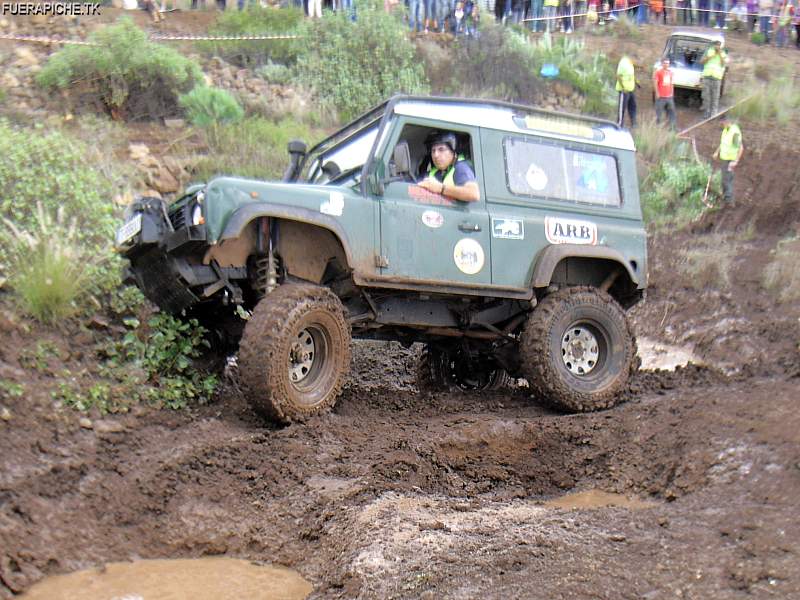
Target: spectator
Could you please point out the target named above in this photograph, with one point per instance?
(550, 10)
(473, 19)
(314, 8)
(657, 7)
(626, 86)
(537, 11)
(739, 17)
(566, 16)
(765, 17)
(518, 10)
(458, 18)
(797, 26)
(719, 16)
(784, 20)
(713, 61)
(664, 93)
(416, 15)
(729, 151)
(702, 9)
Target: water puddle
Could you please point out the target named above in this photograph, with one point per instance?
(597, 499)
(215, 578)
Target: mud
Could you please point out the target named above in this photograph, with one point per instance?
(693, 481)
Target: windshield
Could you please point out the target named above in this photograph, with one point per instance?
(345, 151)
(687, 52)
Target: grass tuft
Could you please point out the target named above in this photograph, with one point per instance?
(779, 99)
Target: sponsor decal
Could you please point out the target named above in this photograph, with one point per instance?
(432, 219)
(334, 205)
(508, 229)
(570, 231)
(536, 178)
(468, 256)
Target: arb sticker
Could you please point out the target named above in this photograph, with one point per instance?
(468, 256)
(509, 229)
(432, 219)
(570, 231)
(334, 205)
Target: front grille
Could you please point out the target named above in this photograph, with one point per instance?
(178, 217)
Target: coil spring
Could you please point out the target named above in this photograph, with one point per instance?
(266, 278)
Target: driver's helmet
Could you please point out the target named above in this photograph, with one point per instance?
(441, 137)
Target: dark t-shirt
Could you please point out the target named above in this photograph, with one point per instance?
(463, 173)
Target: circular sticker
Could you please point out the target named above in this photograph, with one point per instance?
(468, 256)
(536, 177)
(432, 219)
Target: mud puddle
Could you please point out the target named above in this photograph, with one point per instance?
(597, 499)
(216, 578)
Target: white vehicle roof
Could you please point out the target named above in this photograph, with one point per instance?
(701, 35)
(516, 119)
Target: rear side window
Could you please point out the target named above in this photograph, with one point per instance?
(541, 170)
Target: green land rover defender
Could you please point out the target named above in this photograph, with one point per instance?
(530, 281)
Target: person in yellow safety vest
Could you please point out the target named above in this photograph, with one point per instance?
(713, 61)
(729, 151)
(550, 11)
(626, 86)
(450, 173)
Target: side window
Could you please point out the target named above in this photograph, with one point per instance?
(417, 138)
(541, 170)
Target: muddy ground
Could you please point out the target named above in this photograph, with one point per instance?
(399, 494)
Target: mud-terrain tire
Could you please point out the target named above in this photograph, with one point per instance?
(436, 373)
(577, 350)
(295, 353)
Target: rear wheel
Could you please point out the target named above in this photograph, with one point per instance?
(443, 370)
(295, 353)
(577, 350)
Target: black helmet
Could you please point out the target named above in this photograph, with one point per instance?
(441, 137)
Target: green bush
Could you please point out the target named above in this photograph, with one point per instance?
(210, 107)
(358, 65)
(129, 75)
(256, 21)
(275, 73)
(56, 170)
(655, 143)
(254, 147)
(47, 268)
(673, 191)
(758, 38)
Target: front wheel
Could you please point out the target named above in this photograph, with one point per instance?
(295, 353)
(577, 350)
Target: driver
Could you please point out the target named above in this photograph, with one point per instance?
(450, 174)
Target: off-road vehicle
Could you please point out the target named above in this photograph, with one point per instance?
(684, 49)
(531, 281)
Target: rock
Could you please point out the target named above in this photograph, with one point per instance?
(5, 414)
(25, 56)
(85, 423)
(9, 82)
(98, 322)
(123, 199)
(138, 151)
(174, 123)
(162, 180)
(617, 537)
(5, 23)
(108, 426)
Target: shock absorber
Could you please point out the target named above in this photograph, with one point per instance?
(267, 265)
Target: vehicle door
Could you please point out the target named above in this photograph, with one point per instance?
(427, 237)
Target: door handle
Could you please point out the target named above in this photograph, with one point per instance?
(469, 227)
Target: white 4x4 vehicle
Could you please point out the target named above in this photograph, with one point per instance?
(684, 49)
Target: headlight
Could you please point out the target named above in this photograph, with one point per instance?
(197, 215)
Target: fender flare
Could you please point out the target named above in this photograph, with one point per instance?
(548, 259)
(245, 215)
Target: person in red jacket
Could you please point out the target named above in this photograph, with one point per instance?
(664, 93)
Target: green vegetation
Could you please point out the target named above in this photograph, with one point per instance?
(275, 73)
(254, 147)
(9, 389)
(758, 38)
(256, 21)
(210, 107)
(127, 74)
(779, 99)
(47, 266)
(655, 142)
(782, 277)
(357, 65)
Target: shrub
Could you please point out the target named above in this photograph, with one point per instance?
(275, 73)
(254, 147)
(47, 267)
(357, 65)
(655, 143)
(55, 170)
(778, 100)
(130, 76)
(210, 107)
(256, 21)
(758, 38)
(673, 191)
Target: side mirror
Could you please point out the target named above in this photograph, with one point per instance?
(401, 160)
